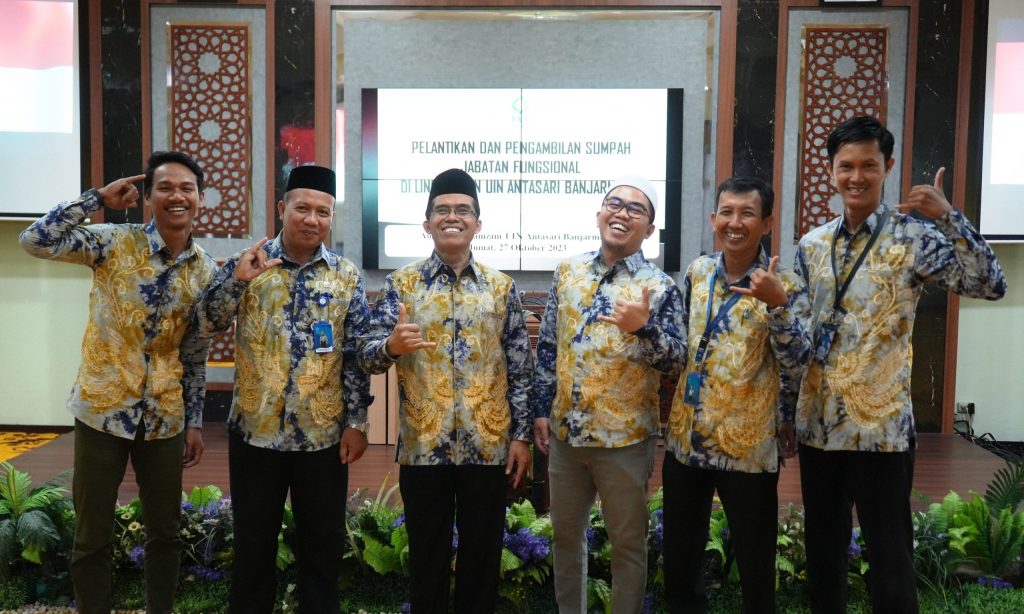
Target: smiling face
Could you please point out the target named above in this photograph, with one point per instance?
(306, 216)
(858, 172)
(739, 225)
(452, 224)
(174, 197)
(621, 234)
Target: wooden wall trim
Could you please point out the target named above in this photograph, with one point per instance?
(963, 106)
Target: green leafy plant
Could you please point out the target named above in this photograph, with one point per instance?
(36, 524)
(1006, 490)
(377, 536)
(207, 529)
(790, 557)
(995, 538)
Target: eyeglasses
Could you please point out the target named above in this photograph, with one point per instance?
(633, 210)
(462, 211)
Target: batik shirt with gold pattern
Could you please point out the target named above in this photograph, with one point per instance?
(288, 397)
(464, 401)
(597, 383)
(142, 357)
(859, 398)
(751, 370)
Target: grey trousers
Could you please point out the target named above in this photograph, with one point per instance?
(619, 477)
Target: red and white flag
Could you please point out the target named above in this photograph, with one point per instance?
(37, 56)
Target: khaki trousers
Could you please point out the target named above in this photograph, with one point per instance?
(619, 476)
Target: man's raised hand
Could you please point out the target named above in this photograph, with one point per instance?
(929, 200)
(630, 316)
(254, 262)
(765, 286)
(121, 193)
(406, 337)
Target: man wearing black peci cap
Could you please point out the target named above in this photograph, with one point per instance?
(298, 416)
(454, 328)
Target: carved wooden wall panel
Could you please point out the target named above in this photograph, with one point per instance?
(222, 349)
(845, 73)
(210, 118)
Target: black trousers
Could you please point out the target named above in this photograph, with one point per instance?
(260, 481)
(473, 496)
(751, 504)
(879, 484)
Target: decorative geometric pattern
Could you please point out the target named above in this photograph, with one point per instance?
(222, 349)
(845, 73)
(210, 118)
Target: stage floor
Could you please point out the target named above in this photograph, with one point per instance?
(944, 463)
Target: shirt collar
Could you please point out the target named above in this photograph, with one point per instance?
(157, 243)
(632, 262)
(760, 263)
(275, 249)
(434, 266)
(869, 224)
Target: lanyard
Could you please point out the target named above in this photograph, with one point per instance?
(841, 291)
(712, 325)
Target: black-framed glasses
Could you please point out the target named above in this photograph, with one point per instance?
(633, 209)
(462, 211)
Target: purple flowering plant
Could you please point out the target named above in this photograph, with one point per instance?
(526, 553)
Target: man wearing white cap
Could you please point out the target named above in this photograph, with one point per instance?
(298, 416)
(613, 321)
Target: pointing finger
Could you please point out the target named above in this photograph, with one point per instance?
(135, 178)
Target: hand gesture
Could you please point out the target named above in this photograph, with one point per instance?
(765, 286)
(406, 337)
(254, 262)
(929, 200)
(121, 193)
(630, 316)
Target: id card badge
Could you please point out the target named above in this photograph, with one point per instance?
(323, 337)
(691, 391)
(823, 342)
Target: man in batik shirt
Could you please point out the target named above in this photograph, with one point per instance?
(865, 272)
(140, 387)
(732, 415)
(454, 327)
(613, 321)
(298, 415)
